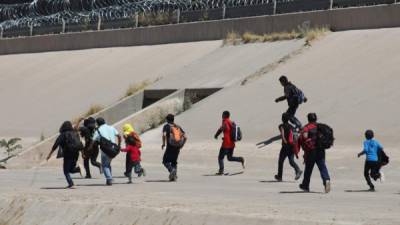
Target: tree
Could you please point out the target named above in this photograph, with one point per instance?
(10, 145)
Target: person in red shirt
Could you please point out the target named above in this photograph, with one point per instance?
(134, 159)
(228, 145)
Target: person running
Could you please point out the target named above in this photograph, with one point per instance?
(313, 155)
(89, 154)
(69, 142)
(134, 158)
(294, 98)
(111, 134)
(173, 138)
(129, 131)
(228, 145)
(371, 149)
(288, 148)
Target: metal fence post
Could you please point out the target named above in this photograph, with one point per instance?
(1, 32)
(63, 26)
(98, 22)
(178, 15)
(223, 11)
(274, 7)
(30, 29)
(331, 4)
(136, 19)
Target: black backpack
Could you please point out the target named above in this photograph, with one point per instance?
(108, 147)
(72, 142)
(383, 158)
(325, 138)
(236, 132)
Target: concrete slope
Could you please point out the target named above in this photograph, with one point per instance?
(40, 91)
(351, 79)
(228, 65)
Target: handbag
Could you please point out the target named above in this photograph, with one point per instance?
(108, 147)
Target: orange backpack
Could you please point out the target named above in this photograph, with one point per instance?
(176, 136)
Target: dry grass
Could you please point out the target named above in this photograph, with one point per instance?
(232, 38)
(135, 88)
(92, 110)
(309, 35)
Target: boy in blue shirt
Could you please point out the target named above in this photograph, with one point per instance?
(372, 166)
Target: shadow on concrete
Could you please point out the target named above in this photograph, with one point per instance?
(300, 192)
(355, 191)
(275, 181)
(99, 185)
(54, 188)
(158, 181)
(268, 141)
(225, 174)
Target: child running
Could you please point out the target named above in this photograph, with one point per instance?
(134, 159)
(371, 149)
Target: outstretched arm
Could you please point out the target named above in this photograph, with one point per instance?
(219, 131)
(361, 153)
(55, 146)
(281, 99)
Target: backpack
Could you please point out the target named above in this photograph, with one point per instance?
(176, 136)
(136, 139)
(383, 158)
(299, 95)
(325, 138)
(236, 132)
(294, 139)
(72, 142)
(108, 147)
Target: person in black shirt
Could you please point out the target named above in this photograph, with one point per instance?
(89, 154)
(70, 156)
(287, 149)
(291, 92)
(170, 158)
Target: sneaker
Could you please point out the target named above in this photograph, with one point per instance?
(327, 186)
(172, 175)
(142, 173)
(243, 163)
(298, 175)
(382, 177)
(372, 189)
(305, 189)
(70, 186)
(129, 180)
(109, 182)
(220, 173)
(277, 178)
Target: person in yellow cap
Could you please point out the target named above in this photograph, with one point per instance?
(128, 131)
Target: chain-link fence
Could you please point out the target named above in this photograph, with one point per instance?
(59, 16)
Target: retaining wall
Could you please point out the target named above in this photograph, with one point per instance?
(383, 16)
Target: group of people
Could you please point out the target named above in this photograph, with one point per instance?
(314, 138)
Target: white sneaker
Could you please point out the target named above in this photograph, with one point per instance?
(382, 178)
(327, 186)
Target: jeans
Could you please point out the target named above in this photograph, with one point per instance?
(316, 156)
(227, 152)
(137, 168)
(106, 164)
(286, 151)
(371, 169)
(170, 159)
(69, 166)
(93, 160)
